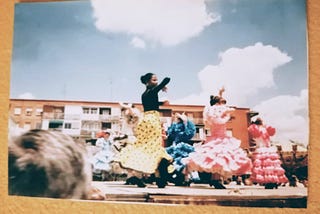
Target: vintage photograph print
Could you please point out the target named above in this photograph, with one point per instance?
(170, 102)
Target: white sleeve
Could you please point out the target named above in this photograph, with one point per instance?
(99, 142)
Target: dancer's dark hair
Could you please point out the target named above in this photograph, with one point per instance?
(214, 100)
(145, 78)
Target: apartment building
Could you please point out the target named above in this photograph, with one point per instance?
(83, 119)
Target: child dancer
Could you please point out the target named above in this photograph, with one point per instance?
(179, 133)
(101, 161)
(267, 168)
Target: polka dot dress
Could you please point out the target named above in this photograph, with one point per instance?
(146, 153)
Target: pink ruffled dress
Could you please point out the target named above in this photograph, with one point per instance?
(266, 162)
(219, 153)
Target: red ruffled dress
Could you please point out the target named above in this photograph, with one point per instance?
(266, 162)
(220, 153)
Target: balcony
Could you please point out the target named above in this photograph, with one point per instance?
(109, 118)
(88, 133)
(197, 120)
(53, 115)
(72, 117)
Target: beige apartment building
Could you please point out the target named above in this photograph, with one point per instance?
(83, 119)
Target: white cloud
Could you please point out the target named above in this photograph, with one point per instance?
(289, 115)
(138, 43)
(26, 95)
(157, 21)
(243, 72)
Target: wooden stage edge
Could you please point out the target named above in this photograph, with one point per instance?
(202, 194)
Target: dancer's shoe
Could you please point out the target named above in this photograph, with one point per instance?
(269, 186)
(216, 184)
(135, 181)
(161, 183)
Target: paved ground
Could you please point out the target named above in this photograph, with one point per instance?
(234, 195)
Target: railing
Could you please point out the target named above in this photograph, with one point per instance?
(52, 115)
(72, 117)
(197, 120)
(87, 132)
(55, 129)
(109, 117)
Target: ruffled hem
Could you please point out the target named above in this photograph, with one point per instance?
(267, 167)
(179, 151)
(146, 153)
(261, 179)
(146, 163)
(102, 160)
(221, 156)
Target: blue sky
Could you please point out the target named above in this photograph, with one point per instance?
(97, 50)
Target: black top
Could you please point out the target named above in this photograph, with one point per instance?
(150, 99)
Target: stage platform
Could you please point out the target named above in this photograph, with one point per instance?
(203, 194)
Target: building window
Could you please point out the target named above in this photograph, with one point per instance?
(39, 111)
(105, 111)
(85, 110)
(94, 111)
(91, 126)
(67, 125)
(28, 111)
(73, 125)
(58, 112)
(106, 126)
(17, 111)
(55, 124)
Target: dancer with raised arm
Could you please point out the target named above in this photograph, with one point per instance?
(147, 155)
(220, 154)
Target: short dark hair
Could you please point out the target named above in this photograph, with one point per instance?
(258, 121)
(214, 100)
(146, 78)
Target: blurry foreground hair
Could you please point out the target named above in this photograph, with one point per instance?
(48, 164)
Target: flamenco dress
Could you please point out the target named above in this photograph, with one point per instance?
(266, 161)
(220, 153)
(180, 133)
(145, 154)
(101, 161)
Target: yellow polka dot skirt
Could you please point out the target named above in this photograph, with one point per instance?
(146, 153)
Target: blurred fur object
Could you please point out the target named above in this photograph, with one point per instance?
(49, 164)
